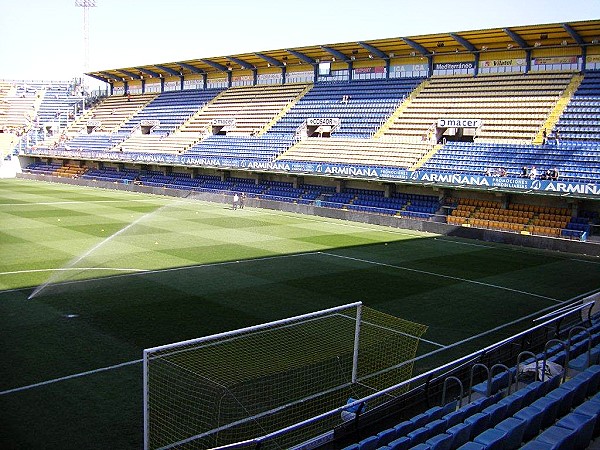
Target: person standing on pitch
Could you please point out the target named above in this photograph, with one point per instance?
(242, 200)
(236, 200)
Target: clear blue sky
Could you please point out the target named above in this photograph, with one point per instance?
(43, 39)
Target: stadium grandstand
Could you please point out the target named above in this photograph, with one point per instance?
(410, 128)
(487, 134)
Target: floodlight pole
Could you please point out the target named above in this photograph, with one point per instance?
(86, 5)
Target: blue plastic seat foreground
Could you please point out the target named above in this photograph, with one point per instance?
(402, 443)
(583, 427)
(515, 429)
(480, 422)
(591, 408)
(441, 441)
(472, 446)
(533, 419)
(369, 443)
(461, 433)
(385, 437)
(549, 408)
(492, 438)
(560, 438)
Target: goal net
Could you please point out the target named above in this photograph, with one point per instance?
(239, 385)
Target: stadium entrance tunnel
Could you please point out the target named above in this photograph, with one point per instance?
(454, 130)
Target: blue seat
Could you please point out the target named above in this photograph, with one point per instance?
(403, 428)
(455, 417)
(515, 429)
(480, 422)
(549, 408)
(401, 443)
(558, 437)
(419, 435)
(497, 413)
(533, 419)
(579, 386)
(514, 401)
(492, 439)
(472, 446)
(369, 443)
(441, 441)
(565, 398)
(593, 375)
(436, 426)
(582, 425)
(461, 433)
(422, 446)
(386, 436)
(591, 408)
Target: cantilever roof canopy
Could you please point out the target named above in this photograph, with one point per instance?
(574, 34)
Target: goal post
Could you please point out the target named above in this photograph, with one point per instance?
(237, 385)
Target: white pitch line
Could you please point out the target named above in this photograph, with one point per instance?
(76, 202)
(69, 377)
(495, 286)
(585, 261)
(66, 269)
(135, 272)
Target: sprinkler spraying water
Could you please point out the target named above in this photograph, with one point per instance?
(55, 276)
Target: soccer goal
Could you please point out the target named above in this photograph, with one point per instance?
(239, 385)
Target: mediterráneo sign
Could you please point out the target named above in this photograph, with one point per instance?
(459, 123)
(391, 174)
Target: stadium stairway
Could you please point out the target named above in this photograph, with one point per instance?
(559, 107)
(405, 104)
(284, 111)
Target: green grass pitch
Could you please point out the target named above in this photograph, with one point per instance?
(120, 272)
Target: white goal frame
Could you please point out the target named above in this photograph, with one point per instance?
(147, 354)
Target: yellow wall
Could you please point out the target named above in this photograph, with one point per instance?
(508, 54)
(368, 63)
(593, 50)
(300, 68)
(270, 70)
(557, 51)
(217, 76)
(453, 58)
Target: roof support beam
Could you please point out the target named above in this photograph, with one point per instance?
(418, 47)
(274, 62)
(111, 76)
(462, 41)
(241, 62)
(215, 65)
(515, 37)
(335, 53)
(191, 68)
(374, 50)
(103, 79)
(574, 34)
(302, 56)
(135, 76)
(170, 71)
(148, 72)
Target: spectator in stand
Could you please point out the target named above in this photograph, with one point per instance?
(533, 173)
(554, 174)
(544, 137)
(524, 172)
